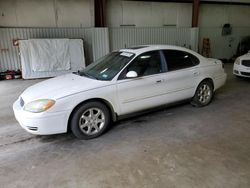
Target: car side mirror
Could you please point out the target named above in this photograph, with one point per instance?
(131, 74)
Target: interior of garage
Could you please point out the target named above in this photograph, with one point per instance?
(178, 146)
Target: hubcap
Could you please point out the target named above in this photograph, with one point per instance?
(92, 121)
(204, 93)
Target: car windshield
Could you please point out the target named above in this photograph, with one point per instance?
(108, 66)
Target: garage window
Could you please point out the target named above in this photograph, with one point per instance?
(179, 59)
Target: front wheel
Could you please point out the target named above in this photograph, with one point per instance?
(203, 95)
(90, 120)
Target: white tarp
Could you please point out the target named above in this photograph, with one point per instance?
(35, 67)
(49, 54)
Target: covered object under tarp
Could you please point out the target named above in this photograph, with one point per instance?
(42, 58)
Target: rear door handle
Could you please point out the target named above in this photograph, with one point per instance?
(196, 74)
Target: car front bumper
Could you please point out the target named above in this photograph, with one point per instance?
(44, 123)
(241, 70)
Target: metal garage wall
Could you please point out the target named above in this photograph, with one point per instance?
(125, 37)
(96, 43)
(100, 42)
(223, 46)
(194, 38)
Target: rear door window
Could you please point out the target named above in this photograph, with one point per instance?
(177, 60)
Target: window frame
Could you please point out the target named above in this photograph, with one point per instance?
(122, 75)
(183, 51)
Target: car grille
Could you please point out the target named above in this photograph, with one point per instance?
(21, 102)
(245, 73)
(246, 63)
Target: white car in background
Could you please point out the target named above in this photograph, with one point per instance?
(121, 83)
(242, 66)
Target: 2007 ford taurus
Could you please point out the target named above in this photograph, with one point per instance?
(123, 82)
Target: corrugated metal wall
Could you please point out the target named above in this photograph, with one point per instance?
(223, 46)
(126, 37)
(194, 38)
(96, 43)
(100, 42)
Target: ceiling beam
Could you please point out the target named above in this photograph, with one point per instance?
(201, 2)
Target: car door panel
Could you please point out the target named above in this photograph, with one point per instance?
(182, 75)
(140, 93)
(145, 91)
(180, 84)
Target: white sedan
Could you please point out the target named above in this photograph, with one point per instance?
(242, 66)
(121, 83)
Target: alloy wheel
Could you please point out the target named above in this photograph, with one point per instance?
(92, 121)
(204, 93)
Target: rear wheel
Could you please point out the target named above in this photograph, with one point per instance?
(90, 120)
(204, 94)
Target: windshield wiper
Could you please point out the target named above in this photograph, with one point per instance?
(77, 73)
(87, 75)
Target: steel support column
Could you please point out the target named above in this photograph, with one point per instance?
(195, 15)
(100, 13)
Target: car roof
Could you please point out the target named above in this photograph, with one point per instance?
(145, 48)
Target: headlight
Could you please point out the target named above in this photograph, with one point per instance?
(237, 61)
(39, 105)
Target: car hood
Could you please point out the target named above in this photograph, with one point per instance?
(245, 56)
(61, 86)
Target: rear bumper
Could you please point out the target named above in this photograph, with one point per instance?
(220, 81)
(41, 123)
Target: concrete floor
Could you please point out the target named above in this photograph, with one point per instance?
(180, 146)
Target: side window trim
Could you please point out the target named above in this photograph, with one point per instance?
(163, 62)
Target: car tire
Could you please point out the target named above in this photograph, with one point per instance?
(204, 94)
(90, 120)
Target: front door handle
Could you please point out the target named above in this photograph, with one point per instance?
(158, 81)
